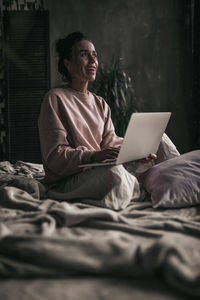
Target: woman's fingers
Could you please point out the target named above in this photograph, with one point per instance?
(113, 150)
(152, 156)
(110, 153)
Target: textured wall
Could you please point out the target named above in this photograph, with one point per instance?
(153, 37)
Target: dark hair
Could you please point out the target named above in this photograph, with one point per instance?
(64, 50)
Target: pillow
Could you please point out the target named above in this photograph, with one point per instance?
(174, 182)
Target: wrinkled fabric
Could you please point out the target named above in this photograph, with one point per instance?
(51, 238)
(107, 186)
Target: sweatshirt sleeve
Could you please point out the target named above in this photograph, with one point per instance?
(110, 139)
(58, 156)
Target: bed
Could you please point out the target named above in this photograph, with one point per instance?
(52, 249)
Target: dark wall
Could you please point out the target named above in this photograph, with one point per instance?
(152, 36)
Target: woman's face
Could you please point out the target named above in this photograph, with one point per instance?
(83, 64)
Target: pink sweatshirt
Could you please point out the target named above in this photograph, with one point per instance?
(72, 125)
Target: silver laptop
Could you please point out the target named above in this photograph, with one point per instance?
(142, 137)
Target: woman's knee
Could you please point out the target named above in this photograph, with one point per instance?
(125, 188)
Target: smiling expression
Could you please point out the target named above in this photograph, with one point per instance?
(83, 64)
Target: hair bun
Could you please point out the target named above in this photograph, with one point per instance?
(60, 45)
(64, 47)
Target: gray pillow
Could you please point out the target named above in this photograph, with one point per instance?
(174, 182)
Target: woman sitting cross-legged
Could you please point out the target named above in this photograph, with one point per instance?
(75, 127)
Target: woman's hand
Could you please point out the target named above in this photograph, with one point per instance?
(151, 157)
(110, 153)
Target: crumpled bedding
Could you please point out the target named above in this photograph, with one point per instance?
(40, 236)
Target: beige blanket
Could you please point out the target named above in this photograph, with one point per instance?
(40, 236)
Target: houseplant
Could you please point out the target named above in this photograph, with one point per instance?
(115, 86)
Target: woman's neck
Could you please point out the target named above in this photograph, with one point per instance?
(79, 86)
